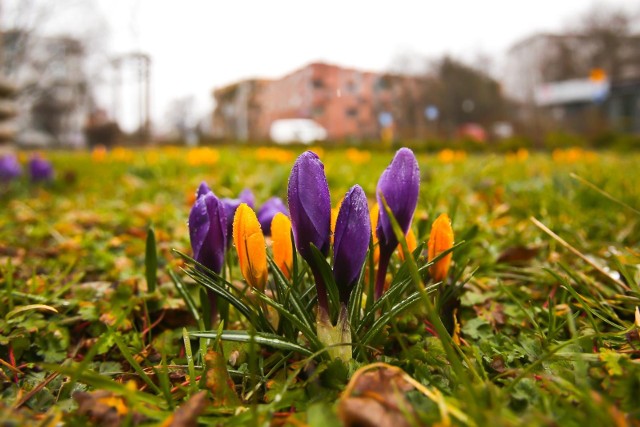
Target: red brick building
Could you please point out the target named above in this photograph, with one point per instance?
(348, 103)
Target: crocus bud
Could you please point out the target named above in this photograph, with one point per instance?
(310, 208)
(203, 189)
(208, 234)
(282, 247)
(208, 231)
(40, 169)
(10, 168)
(246, 196)
(267, 212)
(310, 205)
(399, 185)
(440, 240)
(251, 247)
(351, 241)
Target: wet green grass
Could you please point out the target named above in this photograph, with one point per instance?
(550, 262)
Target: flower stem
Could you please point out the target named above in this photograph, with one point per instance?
(213, 306)
(321, 290)
(383, 265)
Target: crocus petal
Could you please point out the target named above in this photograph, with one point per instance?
(399, 184)
(282, 247)
(351, 240)
(230, 206)
(246, 196)
(440, 240)
(251, 247)
(309, 205)
(373, 217)
(208, 232)
(267, 212)
(412, 243)
(203, 189)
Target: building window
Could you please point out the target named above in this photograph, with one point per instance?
(318, 83)
(352, 112)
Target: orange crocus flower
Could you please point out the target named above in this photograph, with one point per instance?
(373, 214)
(334, 218)
(412, 243)
(282, 249)
(251, 247)
(440, 239)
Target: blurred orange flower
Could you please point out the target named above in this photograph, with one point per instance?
(99, 153)
(202, 156)
(273, 154)
(358, 157)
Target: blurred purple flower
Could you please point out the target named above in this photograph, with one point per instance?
(351, 240)
(399, 184)
(10, 168)
(268, 210)
(40, 169)
(310, 208)
(246, 196)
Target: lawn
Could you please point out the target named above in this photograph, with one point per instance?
(104, 319)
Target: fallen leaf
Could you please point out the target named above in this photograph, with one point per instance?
(104, 408)
(517, 255)
(218, 380)
(187, 414)
(377, 399)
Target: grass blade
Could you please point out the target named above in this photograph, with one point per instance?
(266, 339)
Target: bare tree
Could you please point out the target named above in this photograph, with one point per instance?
(49, 60)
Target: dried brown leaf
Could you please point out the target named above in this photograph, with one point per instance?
(187, 414)
(377, 399)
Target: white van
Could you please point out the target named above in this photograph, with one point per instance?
(287, 131)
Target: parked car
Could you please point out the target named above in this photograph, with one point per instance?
(287, 131)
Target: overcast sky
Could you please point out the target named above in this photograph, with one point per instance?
(198, 45)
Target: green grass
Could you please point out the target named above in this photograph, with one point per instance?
(548, 276)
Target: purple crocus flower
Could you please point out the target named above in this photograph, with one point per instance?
(40, 169)
(10, 168)
(203, 189)
(399, 184)
(268, 210)
(230, 206)
(351, 240)
(310, 208)
(246, 196)
(208, 235)
(208, 231)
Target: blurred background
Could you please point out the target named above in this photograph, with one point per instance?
(533, 74)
